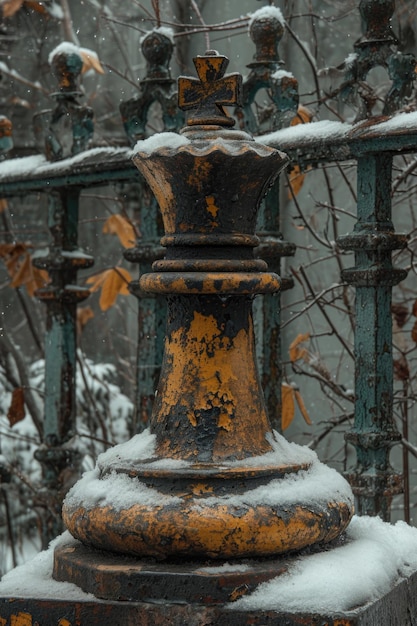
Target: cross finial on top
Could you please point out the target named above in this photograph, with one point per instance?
(207, 95)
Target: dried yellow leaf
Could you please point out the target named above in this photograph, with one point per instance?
(118, 225)
(84, 314)
(296, 352)
(10, 7)
(112, 282)
(288, 406)
(302, 407)
(90, 61)
(303, 116)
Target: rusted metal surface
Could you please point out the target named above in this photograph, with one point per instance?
(124, 578)
(209, 408)
(396, 608)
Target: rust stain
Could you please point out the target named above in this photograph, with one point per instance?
(199, 174)
(199, 489)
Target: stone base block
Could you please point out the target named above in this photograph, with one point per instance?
(397, 608)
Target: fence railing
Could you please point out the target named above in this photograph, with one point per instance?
(70, 167)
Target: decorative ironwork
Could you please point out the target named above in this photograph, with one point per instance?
(266, 72)
(377, 47)
(67, 129)
(157, 87)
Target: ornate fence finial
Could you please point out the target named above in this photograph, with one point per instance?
(377, 47)
(266, 28)
(157, 86)
(67, 129)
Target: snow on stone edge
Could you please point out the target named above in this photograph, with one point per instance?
(375, 557)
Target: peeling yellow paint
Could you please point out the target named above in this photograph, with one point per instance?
(215, 530)
(21, 619)
(214, 371)
(199, 489)
(211, 207)
(64, 622)
(199, 174)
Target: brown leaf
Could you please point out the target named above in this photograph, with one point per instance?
(414, 332)
(400, 314)
(11, 254)
(302, 407)
(118, 225)
(288, 406)
(16, 412)
(10, 7)
(295, 181)
(3, 204)
(26, 275)
(36, 6)
(112, 282)
(295, 351)
(401, 369)
(303, 116)
(84, 315)
(414, 310)
(296, 176)
(90, 61)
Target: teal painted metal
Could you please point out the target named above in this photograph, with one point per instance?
(61, 297)
(271, 249)
(67, 129)
(377, 47)
(266, 71)
(151, 310)
(87, 174)
(157, 86)
(373, 480)
(282, 87)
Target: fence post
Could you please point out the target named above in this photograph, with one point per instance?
(373, 480)
(266, 29)
(62, 132)
(157, 87)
